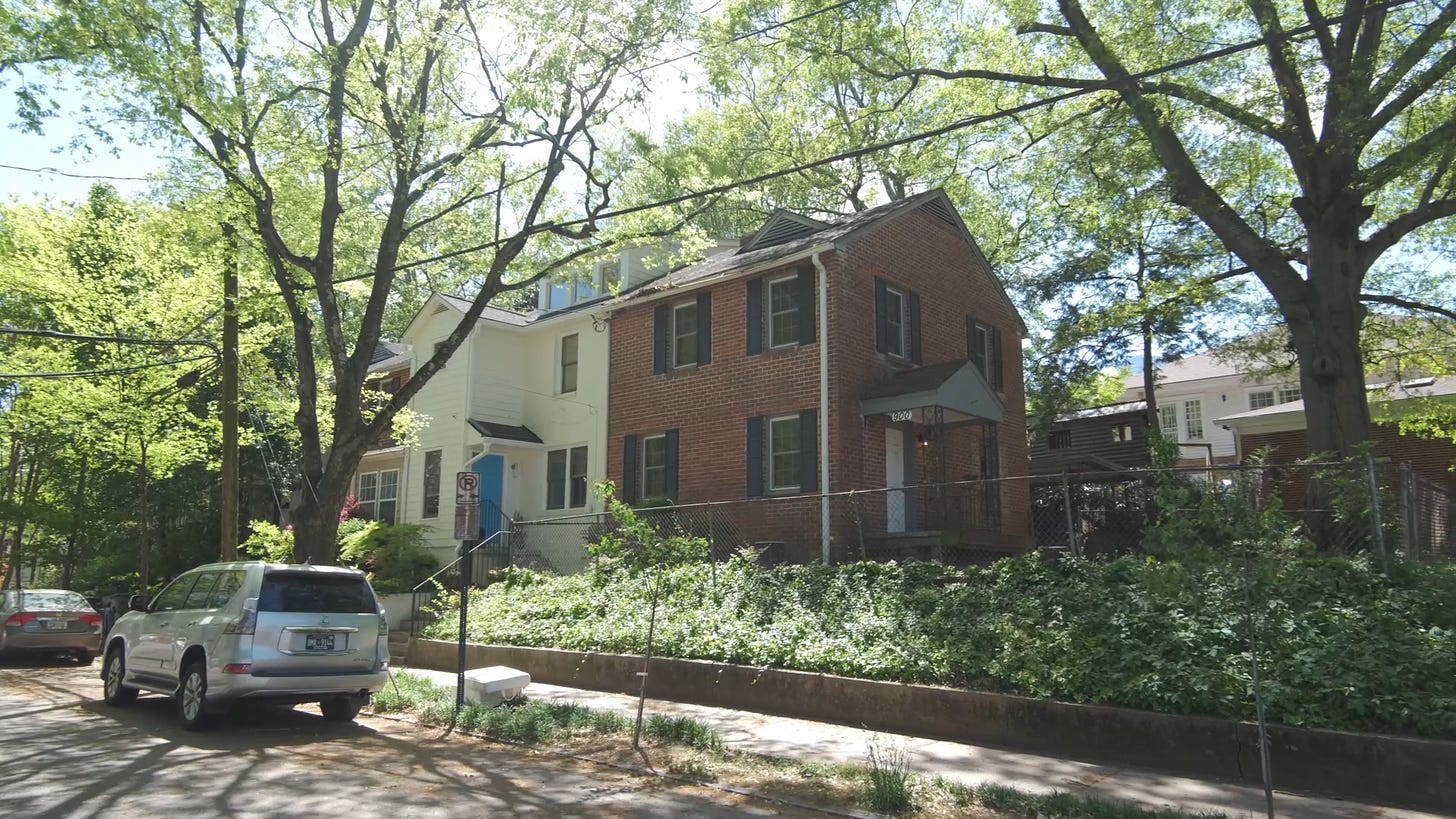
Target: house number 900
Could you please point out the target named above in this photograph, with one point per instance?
(900, 415)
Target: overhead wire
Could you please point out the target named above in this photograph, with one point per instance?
(961, 124)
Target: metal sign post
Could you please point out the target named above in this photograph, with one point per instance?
(467, 522)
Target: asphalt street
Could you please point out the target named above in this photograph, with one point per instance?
(65, 753)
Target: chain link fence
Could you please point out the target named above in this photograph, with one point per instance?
(1341, 509)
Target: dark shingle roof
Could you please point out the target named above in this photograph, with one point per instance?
(725, 264)
(505, 432)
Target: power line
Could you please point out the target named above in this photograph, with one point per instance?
(920, 136)
(112, 371)
(149, 342)
(753, 33)
(72, 175)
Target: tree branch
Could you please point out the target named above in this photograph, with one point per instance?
(1408, 304)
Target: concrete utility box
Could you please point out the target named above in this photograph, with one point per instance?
(494, 684)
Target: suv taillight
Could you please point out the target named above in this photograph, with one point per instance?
(247, 623)
(383, 625)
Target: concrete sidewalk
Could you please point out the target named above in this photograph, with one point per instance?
(970, 764)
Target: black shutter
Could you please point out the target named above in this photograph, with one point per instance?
(808, 449)
(629, 469)
(705, 328)
(755, 457)
(670, 455)
(755, 316)
(998, 361)
(660, 318)
(912, 322)
(804, 298)
(882, 328)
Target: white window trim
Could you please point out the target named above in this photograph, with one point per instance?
(769, 312)
(900, 335)
(1190, 432)
(675, 335)
(379, 498)
(1168, 408)
(1287, 394)
(1270, 392)
(566, 477)
(642, 468)
(773, 484)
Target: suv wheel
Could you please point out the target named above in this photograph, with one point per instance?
(192, 706)
(113, 672)
(342, 708)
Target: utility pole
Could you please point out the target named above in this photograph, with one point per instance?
(230, 393)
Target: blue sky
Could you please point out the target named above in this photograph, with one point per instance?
(53, 150)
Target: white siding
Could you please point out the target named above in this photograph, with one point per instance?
(508, 375)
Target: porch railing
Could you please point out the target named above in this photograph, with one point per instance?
(486, 557)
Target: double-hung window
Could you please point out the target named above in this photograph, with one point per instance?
(569, 362)
(432, 484)
(894, 322)
(1287, 394)
(654, 466)
(566, 478)
(783, 312)
(378, 495)
(1259, 399)
(784, 463)
(685, 335)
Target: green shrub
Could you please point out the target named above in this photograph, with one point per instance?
(1341, 644)
(268, 542)
(395, 556)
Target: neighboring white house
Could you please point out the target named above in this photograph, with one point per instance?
(1194, 391)
(522, 403)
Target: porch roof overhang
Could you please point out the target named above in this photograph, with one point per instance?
(956, 387)
(508, 434)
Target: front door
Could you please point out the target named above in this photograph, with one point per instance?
(491, 470)
(894, 480)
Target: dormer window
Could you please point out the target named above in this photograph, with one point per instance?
(562, 293)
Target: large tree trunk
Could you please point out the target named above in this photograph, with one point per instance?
(316, 518)
(1324, 328)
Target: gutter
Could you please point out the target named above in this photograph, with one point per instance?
(823, 310)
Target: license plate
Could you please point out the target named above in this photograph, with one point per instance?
(318, 642)
(56, 625)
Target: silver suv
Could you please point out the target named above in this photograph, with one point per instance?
(266, 631)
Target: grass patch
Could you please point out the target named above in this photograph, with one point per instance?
(889, 776)
(684, 731)
(688, 748)
(529, 721)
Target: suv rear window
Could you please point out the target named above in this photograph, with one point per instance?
(315, 594)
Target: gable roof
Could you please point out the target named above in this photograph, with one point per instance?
(727, 265)
(782, 225)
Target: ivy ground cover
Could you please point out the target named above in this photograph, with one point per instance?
(1340, 645)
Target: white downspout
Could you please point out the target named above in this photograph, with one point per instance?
(823, 304)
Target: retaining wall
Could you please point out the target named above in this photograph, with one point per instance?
(1404, 771)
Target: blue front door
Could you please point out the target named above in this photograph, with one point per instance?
(491, 470)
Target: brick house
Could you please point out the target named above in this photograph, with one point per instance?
(723, 387)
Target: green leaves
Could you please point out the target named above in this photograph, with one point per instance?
(1341, 645)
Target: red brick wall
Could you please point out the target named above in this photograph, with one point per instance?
(709, 405)
(1429, 458)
